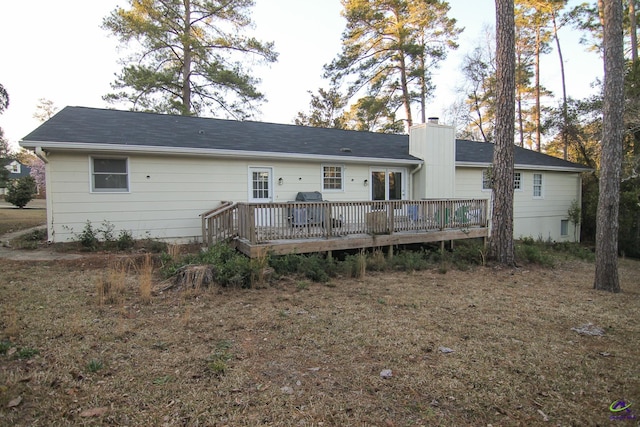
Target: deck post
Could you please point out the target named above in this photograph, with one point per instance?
(327, 221)
(252, 225)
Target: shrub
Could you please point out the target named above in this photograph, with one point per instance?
(125, 240)
(467, 253)
(410, 260)
(88, 237)
(21, 192)
(534, 254)
(285, 264)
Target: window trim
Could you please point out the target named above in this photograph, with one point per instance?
(519, 181)
(342, 177)
(564, 223)
(534, 185)
(518, 174)
(92, 174)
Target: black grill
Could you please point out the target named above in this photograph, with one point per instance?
(309, 196)
(307, 215)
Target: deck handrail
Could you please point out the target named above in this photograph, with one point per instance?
(219, 223)
(263, 222)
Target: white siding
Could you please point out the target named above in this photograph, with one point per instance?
(167, 194)
(539, 218)
(435, 144)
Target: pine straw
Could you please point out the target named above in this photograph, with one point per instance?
(286, 355)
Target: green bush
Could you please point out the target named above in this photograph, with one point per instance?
(21, 191)
(468, 253)
(125, 240)
(410, 260)
(230, 267)
(534, 254)
(88, 237)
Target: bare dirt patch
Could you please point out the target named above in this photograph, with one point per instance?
(301, 353)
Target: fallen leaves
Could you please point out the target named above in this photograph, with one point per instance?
(14, 402)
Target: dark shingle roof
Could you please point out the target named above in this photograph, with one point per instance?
(113, 127)
(482, 152)
(98, 126)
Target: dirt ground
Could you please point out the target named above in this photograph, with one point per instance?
(480, 347)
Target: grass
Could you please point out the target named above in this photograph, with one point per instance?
(279, 356)
(14, 219)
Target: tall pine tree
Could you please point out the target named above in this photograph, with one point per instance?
(188, 57)
(389, 48)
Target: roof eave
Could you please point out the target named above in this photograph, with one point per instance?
(526, 166)
(186, 151)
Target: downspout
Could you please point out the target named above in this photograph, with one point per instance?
(42, 155)
(413, 172)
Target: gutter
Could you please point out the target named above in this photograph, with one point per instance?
(528, 167)
(77, 146)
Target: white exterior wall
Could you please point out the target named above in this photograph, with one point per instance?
(539, 218)
(168, 193)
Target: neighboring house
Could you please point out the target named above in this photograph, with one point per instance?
(154, 174)
(16, 171)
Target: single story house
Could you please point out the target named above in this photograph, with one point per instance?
(154, 174)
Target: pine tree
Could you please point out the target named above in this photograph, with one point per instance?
(389, 48)
(189, 56)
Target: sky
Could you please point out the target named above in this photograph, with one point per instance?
(57, 50)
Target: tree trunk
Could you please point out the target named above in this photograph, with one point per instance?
(537, 89)
(633, 30)
(423, 88)
(563, 133)
(186, 67)
(406, 97)
(606, 277)
(518, 112)
(501, 247)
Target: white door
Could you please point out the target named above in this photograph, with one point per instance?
(261, 191)
(260, 185)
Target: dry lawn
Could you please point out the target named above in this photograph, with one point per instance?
(14, 219)
(295, 353)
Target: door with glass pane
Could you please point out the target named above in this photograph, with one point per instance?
(261, 191)
(387, 184)
(260, 186)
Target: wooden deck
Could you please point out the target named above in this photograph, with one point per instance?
(302, 227)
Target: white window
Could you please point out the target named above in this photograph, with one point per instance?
(332, 177)
(487, 182)
(517, 181)
(564, 227)
(109, 175)
(537, 185)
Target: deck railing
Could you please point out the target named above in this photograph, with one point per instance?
(263, 222)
